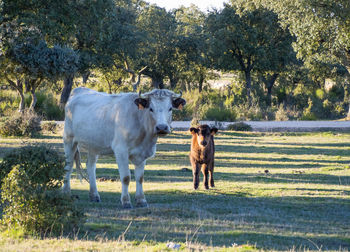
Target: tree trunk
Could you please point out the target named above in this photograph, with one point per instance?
(21, 104)
(269, 82)
(34, 99)
(68, 84)
(173, 82)
(86, 76)
(248, 80)
(19, 88)
(200, 83)
(157, 83)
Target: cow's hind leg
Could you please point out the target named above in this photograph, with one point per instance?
(140, 196)
(91, 169)
(69, 151)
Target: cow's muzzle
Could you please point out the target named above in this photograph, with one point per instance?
(162, 129)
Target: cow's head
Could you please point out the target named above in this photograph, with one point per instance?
(158, 104)
(203, 134)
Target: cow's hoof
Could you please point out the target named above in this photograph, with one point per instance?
(127, 205)
(206, 187)
(141, 204)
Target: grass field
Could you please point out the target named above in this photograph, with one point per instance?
(301, 202)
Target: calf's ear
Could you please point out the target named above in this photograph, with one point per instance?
(193, 130)
(179, 103)
(141, 103)
(213, 131)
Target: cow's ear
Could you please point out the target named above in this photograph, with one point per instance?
(213, 131)
(141, 103)
(193, 131)
(179, 103)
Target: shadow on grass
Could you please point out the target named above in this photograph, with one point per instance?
(221, 219)
(181, 175)
(281, 150)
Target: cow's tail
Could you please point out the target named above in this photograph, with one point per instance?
(81, 173)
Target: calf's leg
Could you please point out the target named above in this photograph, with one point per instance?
(195, 172)
(205, 175)
(140, 196)
(91, 169)
(211, 174)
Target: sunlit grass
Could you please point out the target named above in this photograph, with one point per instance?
(275, 191)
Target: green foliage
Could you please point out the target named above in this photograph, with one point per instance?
(48, 106)
(239, 126)
(46, 165)
(9, 102)
(49, 126)
(32, 201)
(33, 209)
(21, 124)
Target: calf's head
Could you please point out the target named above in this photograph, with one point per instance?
(158, 105)
(203, 134)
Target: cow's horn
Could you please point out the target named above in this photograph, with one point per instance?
(177, 95)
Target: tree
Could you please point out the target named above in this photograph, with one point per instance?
(38, 62)
(34, 27)
(158, 48)
(321, 29)
(192, 58)
(247, 41)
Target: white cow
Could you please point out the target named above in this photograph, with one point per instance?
(126, 124)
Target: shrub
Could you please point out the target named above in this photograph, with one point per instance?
(30, 194)
(35, 210)
(239, 126)
(49, 126)
(46, 164)
(21, 124)
(281, 114)
(219, 114)
(47, 106)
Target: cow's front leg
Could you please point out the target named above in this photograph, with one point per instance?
(140, 197)
(125, 176)
(91, 169)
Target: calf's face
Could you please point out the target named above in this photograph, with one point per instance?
(203, 134)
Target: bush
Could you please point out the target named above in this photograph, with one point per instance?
(46, 164)
(47, 106)
(219, 114)
(49, 126)
(35, 210)
(239, 126)
(21, 124)
(30, 194)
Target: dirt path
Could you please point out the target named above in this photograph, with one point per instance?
(266, 126)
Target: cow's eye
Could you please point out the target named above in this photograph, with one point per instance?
(151, 109)
(170, 109)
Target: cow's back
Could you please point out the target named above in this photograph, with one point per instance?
(93, 118)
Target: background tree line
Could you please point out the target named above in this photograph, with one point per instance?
(286, 59)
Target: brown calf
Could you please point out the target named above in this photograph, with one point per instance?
(202, 154)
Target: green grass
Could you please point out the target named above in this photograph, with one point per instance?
(301, 203)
